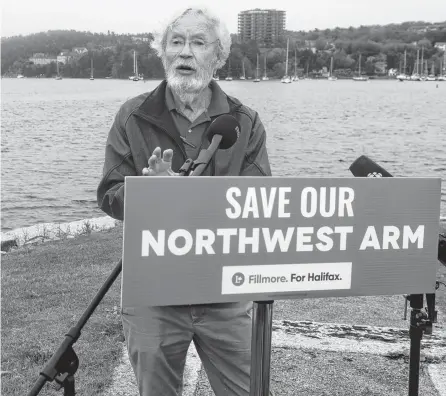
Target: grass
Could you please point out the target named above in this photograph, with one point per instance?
(45, 290)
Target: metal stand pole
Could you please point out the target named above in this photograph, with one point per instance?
(262, 323)
(420, 322)
(415, 333)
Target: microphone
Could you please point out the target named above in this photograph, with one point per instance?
(365, 167)
(222, 134)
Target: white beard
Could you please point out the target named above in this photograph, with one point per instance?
(187, 87)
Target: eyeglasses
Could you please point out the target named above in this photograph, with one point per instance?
(197, 46)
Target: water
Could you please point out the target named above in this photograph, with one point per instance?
(54, 134)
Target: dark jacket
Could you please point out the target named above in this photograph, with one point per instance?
(144, 123)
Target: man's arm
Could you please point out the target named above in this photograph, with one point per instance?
(118, 164)
(256, 162)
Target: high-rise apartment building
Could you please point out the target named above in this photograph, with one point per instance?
(264, 26)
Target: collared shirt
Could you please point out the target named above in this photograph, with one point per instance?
(192, 132)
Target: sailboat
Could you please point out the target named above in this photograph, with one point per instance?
(441, 76)
(265, 77)
(229, 77)
(423, 76)
(243, 77)
(331, 77)
(307, 75)
(91, 70)
(359, 77)
(431, 77)
(135, 76)
(286, 78)
(295, 78)
(216, 77)
(415, 76)
(403, 76)
(58, 77)
(257, 79)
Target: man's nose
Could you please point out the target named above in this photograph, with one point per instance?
(186, 52)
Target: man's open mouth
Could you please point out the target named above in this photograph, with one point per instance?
(184, 67)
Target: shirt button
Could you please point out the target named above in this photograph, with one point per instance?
(190, 130)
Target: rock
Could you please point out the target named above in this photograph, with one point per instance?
(7, 245)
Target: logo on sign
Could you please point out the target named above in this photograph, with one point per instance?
(238, 279)
(375, 174)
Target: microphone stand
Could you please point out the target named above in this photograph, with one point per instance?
(420, 322)
(199, 165)
(64, 363)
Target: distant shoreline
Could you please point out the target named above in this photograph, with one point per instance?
(372, 77)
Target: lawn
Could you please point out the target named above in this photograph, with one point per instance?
(45, 290)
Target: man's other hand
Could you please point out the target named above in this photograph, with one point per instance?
(160, 166)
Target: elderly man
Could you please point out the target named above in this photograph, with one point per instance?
(153, 134)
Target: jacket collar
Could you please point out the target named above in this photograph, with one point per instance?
(155, 106)
(217, 106)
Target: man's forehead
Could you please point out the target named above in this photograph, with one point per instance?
(193, 25)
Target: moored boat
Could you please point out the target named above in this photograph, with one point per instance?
(360, 77)
(286, 79)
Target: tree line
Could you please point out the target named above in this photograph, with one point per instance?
(112, 54)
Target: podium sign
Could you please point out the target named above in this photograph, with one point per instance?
(194, 240)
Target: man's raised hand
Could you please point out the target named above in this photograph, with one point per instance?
(160, 166)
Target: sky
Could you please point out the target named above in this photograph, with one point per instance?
(137, 16)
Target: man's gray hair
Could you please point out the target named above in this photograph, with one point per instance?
(214, 22)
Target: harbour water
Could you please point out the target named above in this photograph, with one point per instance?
(54, 133)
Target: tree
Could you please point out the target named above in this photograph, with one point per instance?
(320, 44)
(113, 53)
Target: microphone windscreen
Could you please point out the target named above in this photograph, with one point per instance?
(365, 167)
(228, 127)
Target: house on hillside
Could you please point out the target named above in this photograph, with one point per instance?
(393, 72)
(139, 39)
(64, 57)
(441, 45)
(40, 59)
(324, 72)
(425, 28)
(79, 50)
(418, 29)
(311, 45)
(305, 45)
(435, 27)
